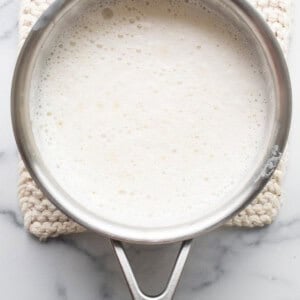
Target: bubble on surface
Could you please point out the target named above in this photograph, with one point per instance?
(107, 13)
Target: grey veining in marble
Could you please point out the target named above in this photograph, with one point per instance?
(225, 264)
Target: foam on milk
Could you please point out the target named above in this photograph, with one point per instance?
(149, 112)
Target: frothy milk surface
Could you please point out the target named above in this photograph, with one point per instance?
(149, 113)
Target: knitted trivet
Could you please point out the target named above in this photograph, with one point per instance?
(44, 220)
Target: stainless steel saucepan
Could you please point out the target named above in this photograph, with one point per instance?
(247, 20)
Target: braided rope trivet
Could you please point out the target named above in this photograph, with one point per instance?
(44, 220)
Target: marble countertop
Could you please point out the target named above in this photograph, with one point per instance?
(225, 264)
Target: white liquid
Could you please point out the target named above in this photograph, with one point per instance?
(149, 114)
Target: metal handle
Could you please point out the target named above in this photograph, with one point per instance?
(136, 292)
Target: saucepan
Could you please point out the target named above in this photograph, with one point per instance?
(249, 22)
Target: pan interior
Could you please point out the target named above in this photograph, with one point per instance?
(151, 114)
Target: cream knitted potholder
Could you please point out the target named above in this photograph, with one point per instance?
(44, 220)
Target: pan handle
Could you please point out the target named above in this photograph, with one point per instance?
(136, 292)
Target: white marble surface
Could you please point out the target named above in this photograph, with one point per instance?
(226, 264)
